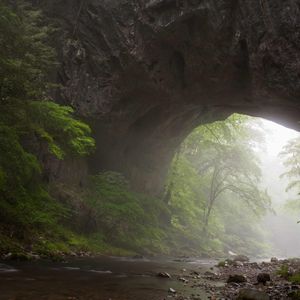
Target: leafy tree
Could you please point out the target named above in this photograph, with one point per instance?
(26, 59)
(25, 56)
(291, 160)
(217, 162)
(290, 156)
(56, 125)
(221, 152)
(28, 118)
(242, 230)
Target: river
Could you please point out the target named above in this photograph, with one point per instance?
(109, 278)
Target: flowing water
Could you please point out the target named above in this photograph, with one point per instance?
(108, 278)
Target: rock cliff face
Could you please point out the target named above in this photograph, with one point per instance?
(146, 72)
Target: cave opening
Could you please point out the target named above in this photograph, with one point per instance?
(237, 180)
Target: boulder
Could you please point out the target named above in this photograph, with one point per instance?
(195, 273)
(274, 259)
(236, 278)
(263, 278)
(183, 280)
(252, 294)
(255, 265)
(238, 264)
(164, 275)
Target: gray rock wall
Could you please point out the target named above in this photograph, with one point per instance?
(146, 72)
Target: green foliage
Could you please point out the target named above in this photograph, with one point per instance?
(126, 219)
(214, 188)
(56, 125)
(295, 278)
(29, 120)
(294, 295)
(21, 192)
(283, 271)
(25, 56)
(291, 160)
(221, 264)
(17, 166)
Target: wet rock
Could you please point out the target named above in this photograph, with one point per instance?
(238, 264)
(252, 294)
(183, 280)
(274, 260)
(295, 287)
(164, 275)
(263, 278)
(172, 291)
(195, 273)
(236, 278)
(277, 289)
(7, 256)
(255, 265)
(19, 256)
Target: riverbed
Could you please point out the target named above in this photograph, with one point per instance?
(109, 278)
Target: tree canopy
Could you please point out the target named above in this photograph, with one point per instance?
(217, 164)
(291, 160)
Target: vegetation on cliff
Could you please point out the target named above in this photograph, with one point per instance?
(29, 120)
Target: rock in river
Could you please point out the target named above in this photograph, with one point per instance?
(263, 278)
(274, 260)
(164, 275)
(183, 280)
(236, 278)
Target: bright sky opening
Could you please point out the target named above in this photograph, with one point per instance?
(277, 136)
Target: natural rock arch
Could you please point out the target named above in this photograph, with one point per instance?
(146, 72)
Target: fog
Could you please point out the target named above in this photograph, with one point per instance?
(282, 230)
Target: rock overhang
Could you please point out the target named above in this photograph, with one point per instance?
(145, 73)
